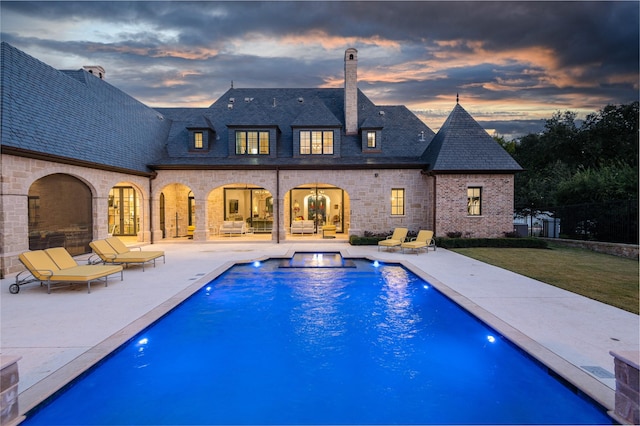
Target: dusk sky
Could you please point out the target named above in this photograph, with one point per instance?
(513, 63)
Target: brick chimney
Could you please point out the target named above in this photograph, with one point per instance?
(351, 91)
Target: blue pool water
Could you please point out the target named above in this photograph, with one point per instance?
(263, 344)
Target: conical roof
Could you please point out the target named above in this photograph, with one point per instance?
(462, 145)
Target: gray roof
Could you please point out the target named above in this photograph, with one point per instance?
(462, 145)
(289, 109)
(75, 115)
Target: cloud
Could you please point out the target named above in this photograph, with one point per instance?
(530, 57)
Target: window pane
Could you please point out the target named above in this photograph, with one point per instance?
(316, 142)
(197, 140)
(305, 142)
(252, 142)
(397, 201)
(264, 142)
(327, 142)
(474, 198)
(241, 142)
(371, 139)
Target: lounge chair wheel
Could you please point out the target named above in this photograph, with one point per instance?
(14, 289)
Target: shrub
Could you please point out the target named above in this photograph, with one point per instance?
(450, 243)
(356, 240)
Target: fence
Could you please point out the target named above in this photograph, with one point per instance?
(612, 221)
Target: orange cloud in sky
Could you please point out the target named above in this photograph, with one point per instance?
(329, 42)
(182, 53)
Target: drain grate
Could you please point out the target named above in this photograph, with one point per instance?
(599, 372)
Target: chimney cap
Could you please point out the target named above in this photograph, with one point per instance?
(96, 70)
(351, 54)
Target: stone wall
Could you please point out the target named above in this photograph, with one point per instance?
(437, 203)
(19, 173)
(451, 205)
(629, 251)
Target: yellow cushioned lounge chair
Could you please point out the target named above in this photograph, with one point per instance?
(398, 237)
(112, 250)
(56, 265)
(121, 248)
(424, 240)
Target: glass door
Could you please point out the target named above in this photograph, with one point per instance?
(123, 211)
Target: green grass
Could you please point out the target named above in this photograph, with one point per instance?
(608, 279)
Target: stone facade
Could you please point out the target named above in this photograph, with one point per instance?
(367, 204)
(451, 205)
(19, 173)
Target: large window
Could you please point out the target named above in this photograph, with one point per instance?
(252, 143)
(397, 201)
(474, 201)
(316, 142)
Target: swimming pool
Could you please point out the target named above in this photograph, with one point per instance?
(263, 344)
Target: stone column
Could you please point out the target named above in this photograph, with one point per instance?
(9, 412)
(627, 384)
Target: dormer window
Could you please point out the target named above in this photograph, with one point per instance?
(252, 142)
(316, 142)
(198, 140)
(371, 140)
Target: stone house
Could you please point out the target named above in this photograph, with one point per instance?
(81, 159)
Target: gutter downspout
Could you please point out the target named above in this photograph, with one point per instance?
(151, 178)
(278, 205)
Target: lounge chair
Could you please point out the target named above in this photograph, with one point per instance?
(424, 240)
(56, 265)
(394, 240)
(112, 250)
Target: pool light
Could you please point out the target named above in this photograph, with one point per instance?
(256, 263)
(376, 263)
(491, 339)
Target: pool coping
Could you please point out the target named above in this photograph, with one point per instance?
(60, 378)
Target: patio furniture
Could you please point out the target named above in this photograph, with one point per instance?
(394, 240)
(56, 265)
(112, 250)
(424, 240)
(329, 231)
(302, 227)
(233, 227)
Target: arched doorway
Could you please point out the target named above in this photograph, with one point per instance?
(321, 203)
(177, 211)
(60, 214)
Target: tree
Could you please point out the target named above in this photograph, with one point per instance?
(566, 162)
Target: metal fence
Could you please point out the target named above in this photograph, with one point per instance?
(612, 221)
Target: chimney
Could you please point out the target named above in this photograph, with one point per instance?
(96, 70)
(351, 91)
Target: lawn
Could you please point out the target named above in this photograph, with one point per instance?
(608, 279)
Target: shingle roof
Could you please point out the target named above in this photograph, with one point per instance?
(287, 109)
(75, 115)
(462, 144)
